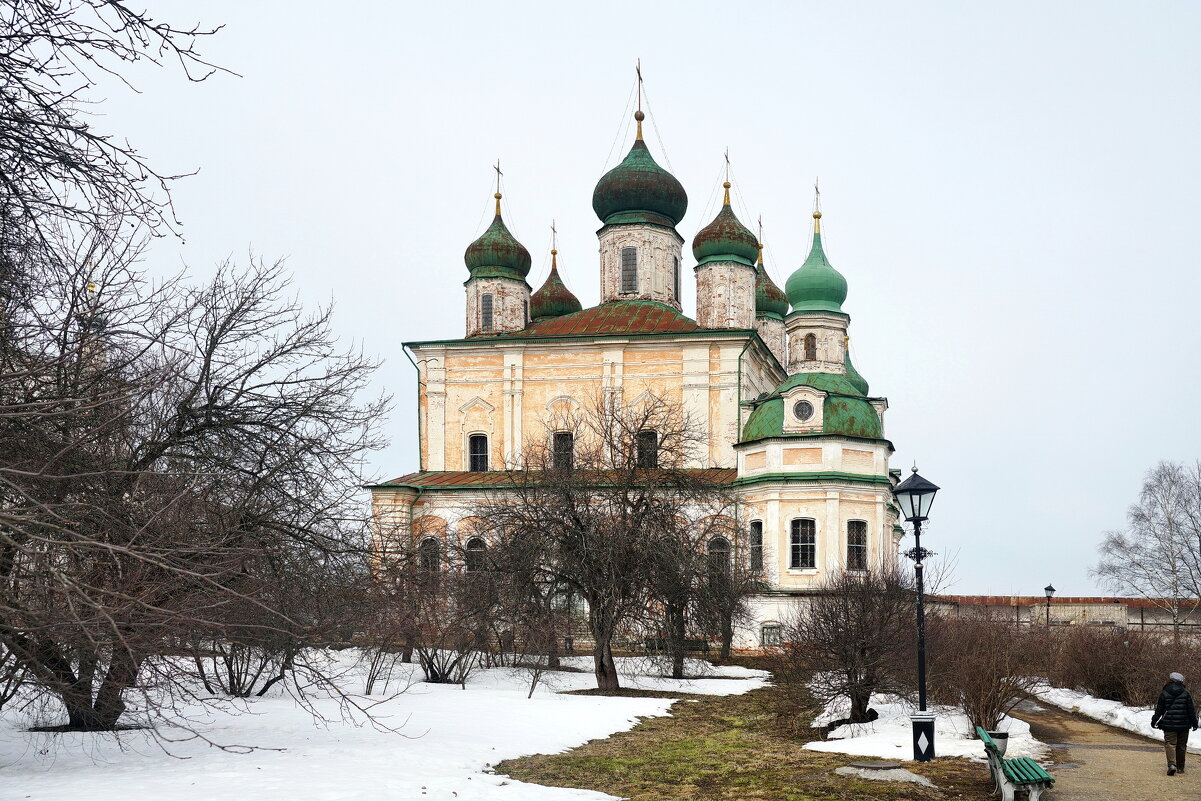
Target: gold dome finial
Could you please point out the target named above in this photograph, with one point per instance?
(760, 262)
(726, 186)
(639, 117)
(497, 196)
(817, 206)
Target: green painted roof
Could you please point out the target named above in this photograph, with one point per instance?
(725, 239)
(497, 253)
(639, 191)
(553, 298)
(853, 375)
(845, 410)
(769, 298)
(816, 286)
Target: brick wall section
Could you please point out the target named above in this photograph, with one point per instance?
(658, 257)
(510, 304)
(771, 331)
(831, 332)
(725, 295)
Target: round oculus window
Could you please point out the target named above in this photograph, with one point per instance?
(803, 410)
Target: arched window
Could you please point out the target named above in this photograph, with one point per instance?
(719, 556)
(648, 449)
(803, 545)
(477, 453)
(756, 545)
(675, 263)
(486, 312)
(429, 555)
(475, 557)
(525, 311)
(856, 545)
(629, 270)
(810, 347)
(562, 450)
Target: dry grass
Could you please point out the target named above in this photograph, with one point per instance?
(732, 747)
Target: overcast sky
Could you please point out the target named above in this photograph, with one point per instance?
(1011, 191)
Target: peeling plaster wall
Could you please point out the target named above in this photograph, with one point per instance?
(658, 262)
(510, 304)
(725, 295)
(771, 331)
(831, 332)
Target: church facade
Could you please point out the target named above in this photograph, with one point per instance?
(788, 421)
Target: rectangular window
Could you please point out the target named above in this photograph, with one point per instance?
(629, 270)
(564, 444)
(803, 550)
(856, 545)
(486, 312)
(477, 446)
(675, 260)
(756, 545)
(648, 449)
(769, 635)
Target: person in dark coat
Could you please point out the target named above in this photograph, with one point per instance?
(1176, 715)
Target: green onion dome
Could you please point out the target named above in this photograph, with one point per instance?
(816, 286)
(857, 380)
(553, 298)
(497, 253)
(639, 191)
(845, 410)
(725, 239)
(769, 298)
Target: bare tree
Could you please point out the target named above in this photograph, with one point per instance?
(172, 461)
(1158, 556)
(599, 498)
(56, 168)
(851, 638)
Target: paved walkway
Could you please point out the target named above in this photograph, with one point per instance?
(1099, 763)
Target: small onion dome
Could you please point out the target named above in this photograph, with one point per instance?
(816, 286)
(639, 191)
(497, 253)
(769, 298)
(725, 239)
(857, 380)
(553, 298)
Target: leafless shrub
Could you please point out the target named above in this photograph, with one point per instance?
(849, 639)
(1114, 663)
(983, 667)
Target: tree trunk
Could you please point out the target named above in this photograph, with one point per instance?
(727, 636)
(859, 702)
(676, 632)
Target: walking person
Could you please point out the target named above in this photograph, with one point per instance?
(1176, 715)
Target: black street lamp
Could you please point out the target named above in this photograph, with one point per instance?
(915, 495)
(1049, 591)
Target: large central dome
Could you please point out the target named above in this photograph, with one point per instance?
(639, 191)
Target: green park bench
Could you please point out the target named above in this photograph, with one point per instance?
(1019, 773)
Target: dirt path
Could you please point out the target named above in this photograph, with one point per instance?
(1099, 763)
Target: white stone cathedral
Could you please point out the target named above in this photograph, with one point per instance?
(790, 423)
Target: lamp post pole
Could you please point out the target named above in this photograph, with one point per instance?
(914, 496)
(1048, 591)
(921, 616)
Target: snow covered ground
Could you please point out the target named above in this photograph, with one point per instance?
(891, 735)
(1112, 713)
(448, 739)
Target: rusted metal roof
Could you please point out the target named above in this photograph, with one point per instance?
(462, 479)
(614, 317)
